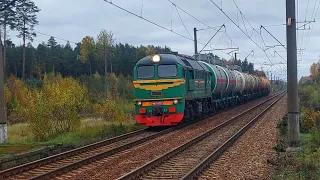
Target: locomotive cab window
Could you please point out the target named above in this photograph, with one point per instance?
(191, 72)
(145, 72)
(167, 71)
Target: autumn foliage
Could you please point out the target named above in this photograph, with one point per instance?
(308, 119)
(55, 105)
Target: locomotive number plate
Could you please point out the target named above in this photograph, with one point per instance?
(156, 103)
(156, 93)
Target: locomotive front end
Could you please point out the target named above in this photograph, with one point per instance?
(159, 87)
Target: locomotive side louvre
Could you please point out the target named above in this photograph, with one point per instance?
(197, 77)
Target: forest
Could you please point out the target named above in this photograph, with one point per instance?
(86, 58)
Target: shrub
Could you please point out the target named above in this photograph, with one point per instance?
(7, 94)
(118, 87)
(66, 99)
(16, 97)
(309, 165)
(95, 86)
(310, 96)
(111, 111)
(39, 116)
(314, 138)
(308, 119)
(52, 106)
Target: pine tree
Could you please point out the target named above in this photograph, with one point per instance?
(7, 19)
(26, 20)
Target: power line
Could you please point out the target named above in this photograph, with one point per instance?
(182, 21)
(234, 43)
(203, 34)
(263, 42)
(244, 16)
(254, 30)
(305, 18)
(240, 29)
(275, 25)
(212, 37)
(151, 22)
(56, 37)
(272, 36)
(312, 17)
(189, 14)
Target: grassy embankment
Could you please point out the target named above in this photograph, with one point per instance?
(59, 110)
(304, 164)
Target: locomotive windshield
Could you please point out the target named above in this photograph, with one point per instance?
(167, 71)
(145, 72)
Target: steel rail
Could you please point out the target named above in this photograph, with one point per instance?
(141, 170)
(196, 171)
(70, 153)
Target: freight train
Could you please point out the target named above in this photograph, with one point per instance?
(172, 88)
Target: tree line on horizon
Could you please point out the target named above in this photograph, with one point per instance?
(92, 55)
(87, 58)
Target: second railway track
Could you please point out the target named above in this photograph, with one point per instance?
(65, 162)
(189, 159)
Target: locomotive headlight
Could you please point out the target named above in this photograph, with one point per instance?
(156, 58)
(139, 103)
(175, 101)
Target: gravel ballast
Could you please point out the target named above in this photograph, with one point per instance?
(248, 157)
(115, 166)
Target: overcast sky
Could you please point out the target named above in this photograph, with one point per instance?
(74, 19)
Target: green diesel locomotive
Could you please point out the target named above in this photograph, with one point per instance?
(170, 88)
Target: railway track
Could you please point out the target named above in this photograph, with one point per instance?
(66, 161)
(191, 158)
(79, 156)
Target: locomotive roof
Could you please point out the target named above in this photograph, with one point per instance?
(184, 60)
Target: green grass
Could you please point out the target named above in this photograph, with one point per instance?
(91, 130)
(304, 137)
